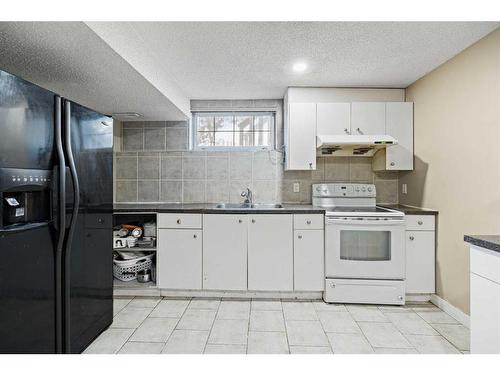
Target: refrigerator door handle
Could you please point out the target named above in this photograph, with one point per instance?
(61, 221)
(71, 229)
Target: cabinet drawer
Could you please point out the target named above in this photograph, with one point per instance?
(179, 221)
(306, 221)
(419, 222)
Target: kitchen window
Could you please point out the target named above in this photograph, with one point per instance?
(233, 130)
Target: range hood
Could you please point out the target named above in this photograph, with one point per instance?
(352, 145)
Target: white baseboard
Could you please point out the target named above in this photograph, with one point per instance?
(451, 310)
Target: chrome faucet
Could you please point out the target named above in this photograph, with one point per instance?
(247, 194)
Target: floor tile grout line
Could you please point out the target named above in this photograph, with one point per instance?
(212, 326)
(286, 328)
(178, 321)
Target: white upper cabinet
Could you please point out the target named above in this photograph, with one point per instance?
(367, 118)
(399, 124)
(300, 133)
(333, 118)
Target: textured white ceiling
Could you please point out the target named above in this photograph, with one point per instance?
(238, 60)
(71, 60)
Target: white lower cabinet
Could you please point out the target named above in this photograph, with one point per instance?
(484, 301)
(180, 258)
(225, 252)
(270, 252)
(484, 315)
(420, 254)
(420, 260)
(308, 260)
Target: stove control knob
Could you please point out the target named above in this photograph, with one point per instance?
(369, 189)
(325, 191)
(318, 189)
(357, 189)
(363, 189)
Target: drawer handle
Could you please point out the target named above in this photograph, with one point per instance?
(253, 220)
(411, 238)
(195, 236)
(178, 221)
(299, 237)
(100, 221)
(240, 221)
(308, 222)
(420, 222)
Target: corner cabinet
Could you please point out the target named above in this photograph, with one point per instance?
(300, 136)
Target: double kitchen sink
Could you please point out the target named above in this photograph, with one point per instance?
(247, 206)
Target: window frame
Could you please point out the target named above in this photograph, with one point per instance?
(194, 130)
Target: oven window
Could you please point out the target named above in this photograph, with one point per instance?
(365, 245)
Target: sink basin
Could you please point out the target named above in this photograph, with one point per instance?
(247, 206)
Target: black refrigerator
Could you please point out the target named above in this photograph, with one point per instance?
(56, 202)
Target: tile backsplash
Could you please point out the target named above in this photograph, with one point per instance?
(212, 177)
(155, 165)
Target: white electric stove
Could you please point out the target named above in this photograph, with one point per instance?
(364, 246)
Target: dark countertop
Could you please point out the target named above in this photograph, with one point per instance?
(490, 242)
(410, 210)
(205, 208)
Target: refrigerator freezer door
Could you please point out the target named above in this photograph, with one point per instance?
(91, 260)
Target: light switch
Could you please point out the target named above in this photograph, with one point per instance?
(296, 187)
(404, 189)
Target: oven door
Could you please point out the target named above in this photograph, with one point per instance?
(365, 248)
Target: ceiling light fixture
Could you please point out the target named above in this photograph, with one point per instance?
(299, 67)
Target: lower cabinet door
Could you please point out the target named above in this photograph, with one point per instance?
(484, 315)
(308, 260)
(420, 262)
(225, 252)
(270, 252)
(180, 258)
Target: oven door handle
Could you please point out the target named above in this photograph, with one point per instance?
(333, 221)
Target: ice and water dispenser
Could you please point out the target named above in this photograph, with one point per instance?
(25, 196)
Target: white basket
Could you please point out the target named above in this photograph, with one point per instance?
(126, 270)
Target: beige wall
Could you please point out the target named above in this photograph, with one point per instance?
(457, 157)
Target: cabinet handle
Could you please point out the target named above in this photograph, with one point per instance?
(393, 164)
(411, 238)
(420, 222)
(299, 237)
(240, 221)
(346, 131)
(359, 131)
(310, 165)
(195, 236)
(178, 221)
(253, 220)
(100, 221)
(308, 222)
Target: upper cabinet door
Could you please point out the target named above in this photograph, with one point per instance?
(399, 124)
(333, 118)
(367, 118)
(301, 137)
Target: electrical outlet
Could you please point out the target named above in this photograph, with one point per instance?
(296, 187)
(404, 188)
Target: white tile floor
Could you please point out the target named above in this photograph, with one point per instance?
(212, 326)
